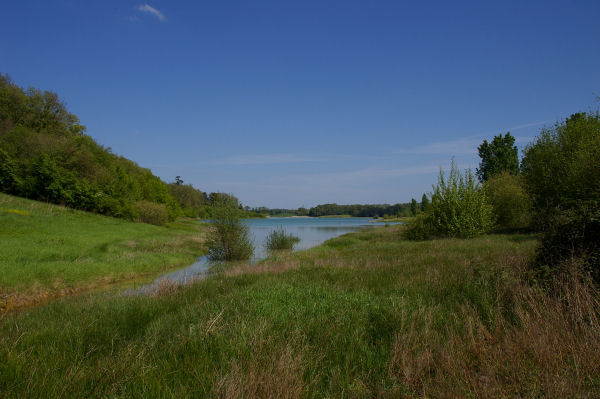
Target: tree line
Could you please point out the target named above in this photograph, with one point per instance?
(357, 210)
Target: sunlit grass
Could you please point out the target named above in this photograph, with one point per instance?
(366, 314)
(47, 249)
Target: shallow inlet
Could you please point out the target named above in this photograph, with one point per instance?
(311, 231)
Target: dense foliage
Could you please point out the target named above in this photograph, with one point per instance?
(510, 201)
(46, 155)
(501, 155)
(229, 239)
(458, 209)
(561, 169)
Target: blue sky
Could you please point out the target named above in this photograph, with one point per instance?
(296, 103)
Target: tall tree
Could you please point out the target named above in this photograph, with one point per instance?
(424, 203)
(414, 207)
(501, 155)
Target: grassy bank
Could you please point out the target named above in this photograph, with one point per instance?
(48, 250)
(365, 315)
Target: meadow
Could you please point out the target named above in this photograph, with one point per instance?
(47, 250)
(367, 314)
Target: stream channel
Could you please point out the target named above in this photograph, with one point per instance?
(311, 231)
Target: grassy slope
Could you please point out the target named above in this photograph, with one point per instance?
(367, 314)
(46, 248)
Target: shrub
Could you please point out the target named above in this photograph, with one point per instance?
(278, 239)
(562, 173)
(458, 209)
(510, 201)
(151, 212)
(420, 228)
(8, 174)
(229, 239)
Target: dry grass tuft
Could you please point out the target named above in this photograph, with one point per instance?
(165, 287)
(551, 348)
(267, 374)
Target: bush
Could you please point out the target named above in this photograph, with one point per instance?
(562, 173)
(152, 213)
(278, 239)
(229, 239)
(9, 180)
(458, 209)
(511, 203)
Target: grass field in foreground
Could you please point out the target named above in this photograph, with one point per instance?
(365, 315)
(47, 249)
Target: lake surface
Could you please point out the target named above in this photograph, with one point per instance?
(311, 231)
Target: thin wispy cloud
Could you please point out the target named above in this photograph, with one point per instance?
(265, 159)
(146, 8)
(309, 189)
(285, 158)
(361, 176)
(466, 145)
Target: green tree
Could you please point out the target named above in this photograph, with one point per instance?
(498, 156)
(510, 200)
(425, 203)
(9, 179)
(414, 207)
(561, 169)
(302, 211)
(229, 239)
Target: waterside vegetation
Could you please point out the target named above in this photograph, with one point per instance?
(437, 308)
(367, 314)
(48, 250)
(278, 239)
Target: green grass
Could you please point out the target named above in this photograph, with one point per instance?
(403, 219)
(366, 314)
(48, 248)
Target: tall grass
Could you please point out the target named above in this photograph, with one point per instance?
(365, 315)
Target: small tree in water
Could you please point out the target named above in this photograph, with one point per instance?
(278, 239)
(229, 239)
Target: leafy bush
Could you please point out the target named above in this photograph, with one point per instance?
(562, 173)
(229, 239)
(420, 228)
(8, 175)
(278, 239)
(458, 209)
(510, 201)
(151, 212)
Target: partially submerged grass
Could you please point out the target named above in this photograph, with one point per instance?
(279, 240)
(365, 315)
(48, 250)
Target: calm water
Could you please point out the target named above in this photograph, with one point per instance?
(312, 232)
